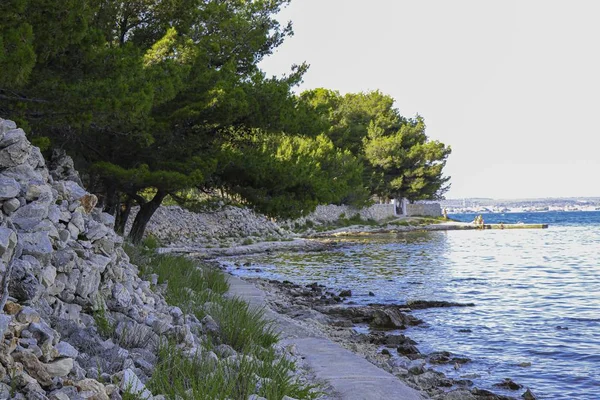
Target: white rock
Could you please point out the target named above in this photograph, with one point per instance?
(132, 384)
(122, 296)
(48, 275)
(36, 244)
(61, 367)
(15, 153)
(6, 125)
(9, 188)
(8, 241)
(64, 349)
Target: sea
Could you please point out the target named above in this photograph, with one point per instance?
(536, 318)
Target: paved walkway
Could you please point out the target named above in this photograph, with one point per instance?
(349, 375)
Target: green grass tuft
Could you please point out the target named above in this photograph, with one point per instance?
(241, 326)
(176, 375)
(105, 328)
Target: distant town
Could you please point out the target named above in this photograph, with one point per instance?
(485, 205)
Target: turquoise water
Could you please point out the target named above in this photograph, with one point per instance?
(536, 295)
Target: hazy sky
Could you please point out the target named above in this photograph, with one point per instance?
(512, 86)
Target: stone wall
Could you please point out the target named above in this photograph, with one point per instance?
(424, 210)
(176, 227)
(63, 263)
(331, 213)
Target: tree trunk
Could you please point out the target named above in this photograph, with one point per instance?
(143, 216)
(123, 216)
(112, 201)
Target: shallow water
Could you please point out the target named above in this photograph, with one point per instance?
(536, 295)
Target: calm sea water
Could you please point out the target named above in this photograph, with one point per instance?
(536, 318)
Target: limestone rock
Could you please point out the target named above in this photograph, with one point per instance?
(9, 188)
(8, 242)
(62, 167)
(37, 244)
(130, 383)
(38, 190)
(64, 349)
(14, 148)
(209, 324)
(34, 367)
(5, 126)
(11, 206)
(61, 367)
(121, 296)
(65, 393)
(4, 321)
(28, 315)
(4, 391)
(23, 285)
(93, 386)
(48, 275)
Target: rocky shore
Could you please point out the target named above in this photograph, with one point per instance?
(365, 330)
(335, 315)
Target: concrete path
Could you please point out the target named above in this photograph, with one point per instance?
(349, 375)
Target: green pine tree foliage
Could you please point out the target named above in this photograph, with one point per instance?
(144, 93)
(399, 159)
(405, 163)
(17, 55)
(288, 176)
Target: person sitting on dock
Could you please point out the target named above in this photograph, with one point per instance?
(478, 221)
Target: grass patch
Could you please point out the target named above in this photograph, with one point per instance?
(242, 326)
(178, 376)
(198, 288)
(105, 328)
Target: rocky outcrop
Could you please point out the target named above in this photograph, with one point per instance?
(70, 279)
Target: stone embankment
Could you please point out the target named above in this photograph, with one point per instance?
(228, 231)
(69, 267)
(226, 227)
(65, 279)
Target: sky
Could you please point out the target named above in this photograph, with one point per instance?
(512, 86)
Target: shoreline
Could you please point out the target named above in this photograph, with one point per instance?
(358, 230)
(344, 323)
(327, 240)
(330, 366)
(393, 354)
(293, 245)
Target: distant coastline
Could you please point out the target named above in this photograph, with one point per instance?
(483, 205)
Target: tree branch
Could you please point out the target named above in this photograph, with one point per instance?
(23, 99)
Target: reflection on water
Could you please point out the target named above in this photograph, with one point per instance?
(536, 292)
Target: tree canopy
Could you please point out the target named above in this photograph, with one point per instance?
(283, 175)
(157, 96)
(145, 93)
(399, 159)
